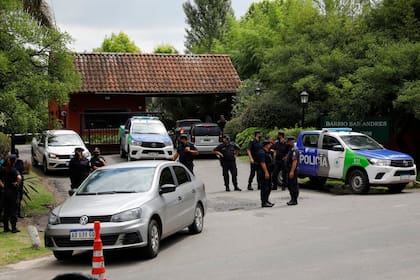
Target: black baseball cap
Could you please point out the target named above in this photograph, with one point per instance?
(257, 132)
(290, 138)
(280, 133)
(78, 149)
(183, 136)
(266, 142)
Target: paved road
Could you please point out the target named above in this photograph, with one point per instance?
(326, 236)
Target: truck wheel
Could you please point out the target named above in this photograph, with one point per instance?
(123, 154)
(359, 181)
(396, 188)
(318, 182)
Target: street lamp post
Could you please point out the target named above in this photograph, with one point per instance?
(304, 98)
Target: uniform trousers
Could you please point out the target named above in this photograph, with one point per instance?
(279, 167)
(292, 185)
(254, 167)
(265, 187)
(230, 166)
(10, 204)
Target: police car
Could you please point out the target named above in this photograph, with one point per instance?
(355, 158)
(145, 138)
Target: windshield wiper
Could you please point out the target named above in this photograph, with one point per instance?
(113, 192)
(87, 193)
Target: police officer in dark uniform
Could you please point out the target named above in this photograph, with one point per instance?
(79, 169)
(2, 179)
(254, 147)
(97, 160)
(280, 149)
(186, 151)
(20, 166)
(291, 171)
(264, 173)
(227, 153)
(12, 180)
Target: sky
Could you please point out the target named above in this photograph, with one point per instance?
(148, 23)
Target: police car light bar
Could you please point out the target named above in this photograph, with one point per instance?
(145, 118)
(337, 129)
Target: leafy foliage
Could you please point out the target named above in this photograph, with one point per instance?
(118, 43)
(165, 48)
(35, 66)
(207, 19)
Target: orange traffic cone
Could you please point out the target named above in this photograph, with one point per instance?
(98, 264)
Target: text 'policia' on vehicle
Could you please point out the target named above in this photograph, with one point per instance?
(357, 159)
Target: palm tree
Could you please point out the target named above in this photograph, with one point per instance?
(40, 11)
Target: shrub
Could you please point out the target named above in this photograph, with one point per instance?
(4, 144)
(233, 127)
(244, 137)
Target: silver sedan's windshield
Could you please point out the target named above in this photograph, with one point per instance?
(118, 180)
(361, 142)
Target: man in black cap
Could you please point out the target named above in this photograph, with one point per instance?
(227, 153)
(79, 169)
(186, 151)
(291, 171)
(254, 147)
(264, 173)
(12, 180)
(280, 149)
(97, 160)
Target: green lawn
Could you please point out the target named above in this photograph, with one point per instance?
(18, 247)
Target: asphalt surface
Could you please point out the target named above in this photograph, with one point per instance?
(327, 236)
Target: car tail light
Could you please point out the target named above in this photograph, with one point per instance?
(221, 138)
(193, 138)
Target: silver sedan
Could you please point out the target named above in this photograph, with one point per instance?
(138, 204)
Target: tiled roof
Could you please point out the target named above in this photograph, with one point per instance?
(156, 73)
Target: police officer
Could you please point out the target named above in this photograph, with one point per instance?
(12, 180)
(2, 179)
(20, 166)
(254, 147)
(227, 153)
(264, 173)
(186, 151)
(291, 171)
(97, 160)
(280, 149)
(79, 169)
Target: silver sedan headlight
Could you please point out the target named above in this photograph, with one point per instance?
(53, 219)
(380, 162)
(128, 215)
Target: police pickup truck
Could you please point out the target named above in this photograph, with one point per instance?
(145, 138)
(355, 158)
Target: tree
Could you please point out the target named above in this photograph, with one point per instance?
(207, 20)
(35, 67)
(165, 48)
(40, 11)
(119, 43)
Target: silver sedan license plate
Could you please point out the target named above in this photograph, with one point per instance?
(82, 234)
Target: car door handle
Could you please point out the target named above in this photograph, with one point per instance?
(179, 198)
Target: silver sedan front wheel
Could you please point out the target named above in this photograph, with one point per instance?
(198, 223)
(153, 239)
